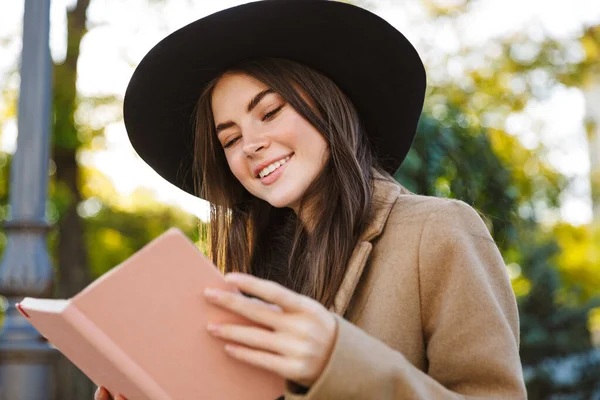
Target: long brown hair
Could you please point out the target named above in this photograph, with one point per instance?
(246, 234)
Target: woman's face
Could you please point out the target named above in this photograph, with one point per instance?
(270, 148)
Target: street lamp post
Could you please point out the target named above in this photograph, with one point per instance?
(26, 359)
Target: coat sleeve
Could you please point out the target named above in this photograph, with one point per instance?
(469, 321)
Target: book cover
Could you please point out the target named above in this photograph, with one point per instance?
(140, 329)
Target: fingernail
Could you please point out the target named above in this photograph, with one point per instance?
(233, 277)
(101, 393)
(213, 328)
(210, 292)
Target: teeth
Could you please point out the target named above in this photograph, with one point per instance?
(272, 167)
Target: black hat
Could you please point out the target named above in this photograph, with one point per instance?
(369, 60)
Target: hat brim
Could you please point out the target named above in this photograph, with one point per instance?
(371, 62)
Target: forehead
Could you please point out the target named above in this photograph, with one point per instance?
(235, 89)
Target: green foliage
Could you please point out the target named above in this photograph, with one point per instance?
(439, 9)
(579, 258)
(116, 225)
(554, 329)
(553, 320)
(112, 236)
(64, 133)
(454, 159)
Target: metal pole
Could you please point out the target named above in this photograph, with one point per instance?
(26, 359)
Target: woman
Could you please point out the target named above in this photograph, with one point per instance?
(289, 117)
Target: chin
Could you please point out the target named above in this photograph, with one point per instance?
(282, 201)
(279, 203)
(282, 197)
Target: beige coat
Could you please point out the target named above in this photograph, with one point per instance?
(428, 310)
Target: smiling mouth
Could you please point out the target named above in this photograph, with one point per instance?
(272, 167)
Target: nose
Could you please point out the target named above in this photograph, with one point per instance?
(255, 141)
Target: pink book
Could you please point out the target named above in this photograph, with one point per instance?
(140, 329)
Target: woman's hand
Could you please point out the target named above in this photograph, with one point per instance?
(299, 332)
(102, 394)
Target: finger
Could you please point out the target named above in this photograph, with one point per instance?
(273, 307)
(282, 366)
(102, 394)
(120, 397)
(255, 311)
(268, 291)
(257, 338)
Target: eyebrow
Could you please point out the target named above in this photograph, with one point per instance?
(251, 105)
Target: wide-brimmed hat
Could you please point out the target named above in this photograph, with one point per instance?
(371, 62)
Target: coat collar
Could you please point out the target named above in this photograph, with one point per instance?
(385, 192)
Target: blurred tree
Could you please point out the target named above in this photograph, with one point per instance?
(116, 225)
(87, 247)
(554, 327)
(590, 42)
(71, 261)
(505, 74)
(8, 111)
(580, 259)
(558, 266)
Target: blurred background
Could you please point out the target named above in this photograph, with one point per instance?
(511, 126)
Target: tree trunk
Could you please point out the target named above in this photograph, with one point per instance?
(73, 272)
(72, 268)
(592, 97)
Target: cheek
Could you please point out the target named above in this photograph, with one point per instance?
(325, 151)
(237, 165)
(303, 135)
(314, 145)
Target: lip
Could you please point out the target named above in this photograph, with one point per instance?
(267, 163)
(273, 176)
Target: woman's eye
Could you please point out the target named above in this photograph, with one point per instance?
(230, 143)
(272, 113)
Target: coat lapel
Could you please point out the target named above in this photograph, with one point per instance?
(354, 270)
(384, 197)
